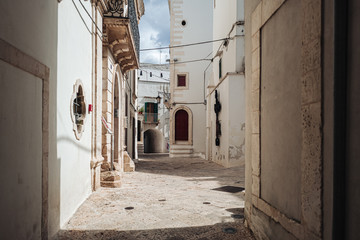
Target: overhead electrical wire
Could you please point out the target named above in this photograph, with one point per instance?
(141, 69)
(160, 48)
(91, 18)
(184, 45)
(83, 20)
(206, 58)
(190, 61)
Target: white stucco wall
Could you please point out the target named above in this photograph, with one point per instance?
(151, 87)
(74, 62)
(227, 13)
(198, 28)
(230, 85)
(31, 27)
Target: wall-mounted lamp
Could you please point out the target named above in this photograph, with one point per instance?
(158, 99)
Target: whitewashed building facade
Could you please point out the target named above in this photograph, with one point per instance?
(154, 82)
(226, 86)
(187, 82)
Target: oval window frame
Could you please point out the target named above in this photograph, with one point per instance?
(78, 122)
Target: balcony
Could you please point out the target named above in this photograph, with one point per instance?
(121, 33)
(151, 118)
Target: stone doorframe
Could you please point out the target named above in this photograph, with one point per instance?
(190, 126)
(26, 63)
(310, 225)
(118, 81)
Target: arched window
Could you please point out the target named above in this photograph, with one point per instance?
(181, 126)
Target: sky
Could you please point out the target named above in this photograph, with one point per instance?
(154, 30)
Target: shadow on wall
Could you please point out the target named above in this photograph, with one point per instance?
(154, 141)
(73, 142)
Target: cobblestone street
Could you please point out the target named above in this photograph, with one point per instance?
(180, 198)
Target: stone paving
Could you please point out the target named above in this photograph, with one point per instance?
(166, 198)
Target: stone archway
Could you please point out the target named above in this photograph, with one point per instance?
(153, 141)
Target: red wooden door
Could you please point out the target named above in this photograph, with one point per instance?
(181, 126)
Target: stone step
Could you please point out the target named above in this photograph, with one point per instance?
(181, 146)
(129, 165)
(181, 151)
(140, 148)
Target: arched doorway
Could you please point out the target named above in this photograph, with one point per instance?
(181, 125)
(153, 141)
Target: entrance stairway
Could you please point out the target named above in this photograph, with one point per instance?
(182, 151)
(140, 148)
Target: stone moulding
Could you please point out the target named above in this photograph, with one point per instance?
(118, 37)
(26, 63)
(190, 130)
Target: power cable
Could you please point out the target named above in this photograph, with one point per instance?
(190, 61)
(184, 45)
(83, 20)
(154, 74)
(93, 21)
(206, 58)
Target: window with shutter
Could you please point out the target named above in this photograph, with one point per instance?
(181, 80)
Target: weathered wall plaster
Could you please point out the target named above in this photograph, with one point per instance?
(229, 86)
(281, 131)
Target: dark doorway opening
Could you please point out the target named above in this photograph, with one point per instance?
(181, 126)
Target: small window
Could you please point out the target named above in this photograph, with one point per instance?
(183, 22)
(161, 75)
(78, 109)
(150, 74)
(140, 73)
(181, 80)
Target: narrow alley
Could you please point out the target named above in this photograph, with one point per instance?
(166, 198)
(179, 119)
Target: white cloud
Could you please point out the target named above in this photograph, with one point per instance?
(155, 31)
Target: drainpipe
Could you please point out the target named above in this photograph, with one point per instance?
(112, 141)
